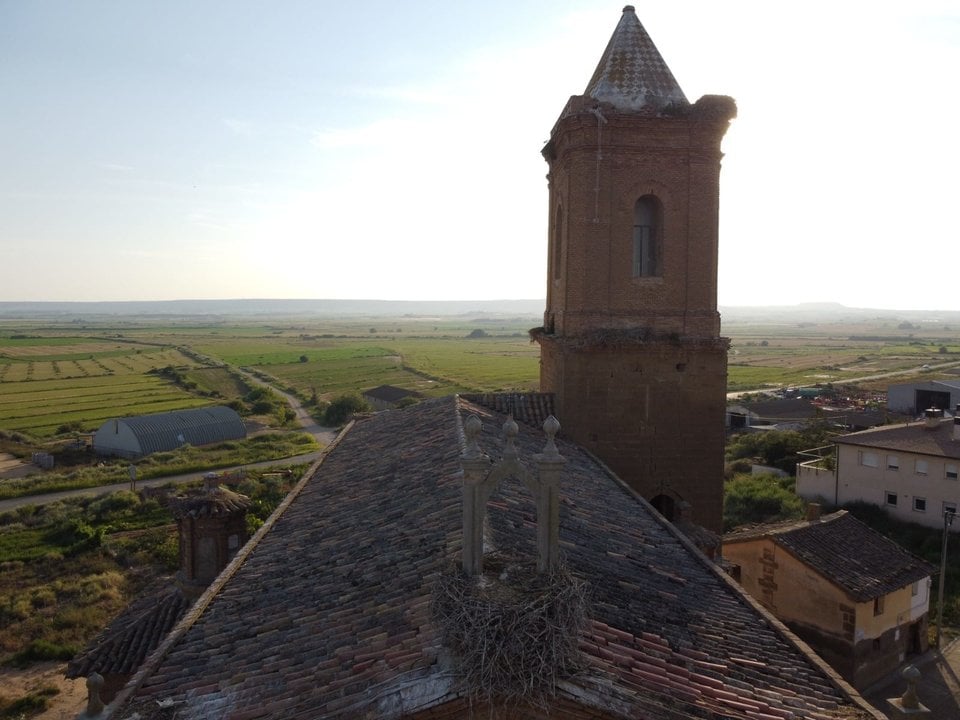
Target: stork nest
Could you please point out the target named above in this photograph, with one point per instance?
(514, 632)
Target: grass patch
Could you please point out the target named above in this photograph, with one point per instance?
(51, 606)
(30, 704)
(187, 459)
(41, 651)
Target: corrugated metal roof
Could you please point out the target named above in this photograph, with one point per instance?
(200, 426)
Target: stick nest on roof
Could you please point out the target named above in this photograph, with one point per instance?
(515, 632)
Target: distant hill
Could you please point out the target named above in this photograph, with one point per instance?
(269, 307)
(254, 308)
(827, 312)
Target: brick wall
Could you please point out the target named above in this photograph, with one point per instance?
(651, 406)
(652, 411)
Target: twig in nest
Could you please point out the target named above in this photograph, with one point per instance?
(516, 633)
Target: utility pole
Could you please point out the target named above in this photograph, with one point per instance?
(948, 516)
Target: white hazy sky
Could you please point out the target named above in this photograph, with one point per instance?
(369, 149)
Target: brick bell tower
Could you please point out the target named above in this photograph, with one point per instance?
(631, 345)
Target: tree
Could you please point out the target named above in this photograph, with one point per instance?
(478, 333)
(778, 448)
(304, 358)
(340, 410)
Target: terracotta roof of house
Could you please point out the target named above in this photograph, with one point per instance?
(327, 613)
(390, 393)
(879, 565)
(911, 437)
(123, 646)
(631, 74)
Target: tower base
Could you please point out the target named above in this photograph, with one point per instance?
(651, 408)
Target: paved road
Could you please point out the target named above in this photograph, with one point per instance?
(324, 436)
(45, 498)
(938, 689)
(878, 376)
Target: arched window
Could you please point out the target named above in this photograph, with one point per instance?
(664, 504)
(646, 237)
(557, 243)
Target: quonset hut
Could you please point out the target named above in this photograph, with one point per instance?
(133, 437)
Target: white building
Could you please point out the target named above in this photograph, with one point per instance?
(913, 398)
(912, 470)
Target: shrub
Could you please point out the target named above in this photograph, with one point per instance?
(41, 650)
(759, 498)
(340, 410)
(30, 704)
(117, 502)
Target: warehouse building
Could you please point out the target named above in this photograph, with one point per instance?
(134, 437)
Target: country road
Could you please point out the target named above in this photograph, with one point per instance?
(46, 498)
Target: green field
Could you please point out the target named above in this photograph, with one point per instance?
(51, 385)
(54, 377)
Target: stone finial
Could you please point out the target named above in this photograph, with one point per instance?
(909, 700)
(471, 429)
(551, 426)
(908, 705)
(510, 431)
(480, 479)
(94, 703)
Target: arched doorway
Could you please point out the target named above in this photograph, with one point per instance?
(665, 505)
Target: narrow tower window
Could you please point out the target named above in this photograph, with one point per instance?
(557, 243)
(646, 237)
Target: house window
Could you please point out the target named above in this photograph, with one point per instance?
(915, 589)
(951, 471)
(920, 504)
(893, 462)
(891, 499)
(868, 459)
(646, 237)
(949, 507)
(878, 606)
(920, 467)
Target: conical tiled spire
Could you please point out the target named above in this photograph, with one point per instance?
(632, 74)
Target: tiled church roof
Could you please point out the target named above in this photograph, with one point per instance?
(328, 615)
(529, 408)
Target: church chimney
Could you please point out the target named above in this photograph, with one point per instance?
(212, 527)
(933, 417)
